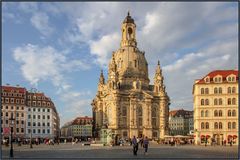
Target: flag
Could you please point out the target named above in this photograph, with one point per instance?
(6, 130)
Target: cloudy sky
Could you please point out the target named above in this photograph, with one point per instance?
(60, 48)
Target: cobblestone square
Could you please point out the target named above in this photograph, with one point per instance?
(77, 151)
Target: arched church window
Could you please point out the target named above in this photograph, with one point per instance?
(118, 85)
(139, 113)
(123, 32)
(154, 112)
(129, 33)
(124, 111)
(154, 116)
(139, 110)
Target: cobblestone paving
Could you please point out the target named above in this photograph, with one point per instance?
(77, 151)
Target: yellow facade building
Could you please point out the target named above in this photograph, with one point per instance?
(216, 108)
(127, 104)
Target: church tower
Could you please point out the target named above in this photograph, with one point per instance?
(127, 105)
(128, 32)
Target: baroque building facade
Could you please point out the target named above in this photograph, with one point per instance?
(216, 107)
(42, 117)
(126, 103)
(80, 127)
(180, 122)
(34, 114)
(13, 100)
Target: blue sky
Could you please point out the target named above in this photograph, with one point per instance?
(60, 48)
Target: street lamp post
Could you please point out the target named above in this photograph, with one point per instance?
(31, 129)
(12, 123)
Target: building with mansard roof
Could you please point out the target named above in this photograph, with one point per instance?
(216, 107)
(180, 122)
(127, 104)
(34, 114)
(80, 127)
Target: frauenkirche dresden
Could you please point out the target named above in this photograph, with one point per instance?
(127, 105)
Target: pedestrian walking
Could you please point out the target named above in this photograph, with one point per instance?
(145, 145)
(135, 145)
(225, 142)
(141, 141)
(205, 142)
(130, 141)
(231, 142)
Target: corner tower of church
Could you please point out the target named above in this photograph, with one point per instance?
(127, 105)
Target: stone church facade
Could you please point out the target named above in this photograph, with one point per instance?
(126, 103)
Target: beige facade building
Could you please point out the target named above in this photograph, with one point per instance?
(216, 107)
(34, 114)
(180, 122)
(13, 105)
(80, 127)
(42, 117)
(127, 104)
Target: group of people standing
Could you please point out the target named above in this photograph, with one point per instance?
(143, 142)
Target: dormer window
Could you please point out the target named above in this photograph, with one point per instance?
(207, 80)
(231, 78)
(218, 79)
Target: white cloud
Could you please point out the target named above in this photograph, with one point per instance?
(38, 63)
(166, 31)
(41, 22)
(42, 63)
(179, 64)
(28, 7)
(190, 39)
(46, 63)
(220, 55)
(104, 47)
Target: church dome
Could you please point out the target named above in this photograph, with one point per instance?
(128, 19)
